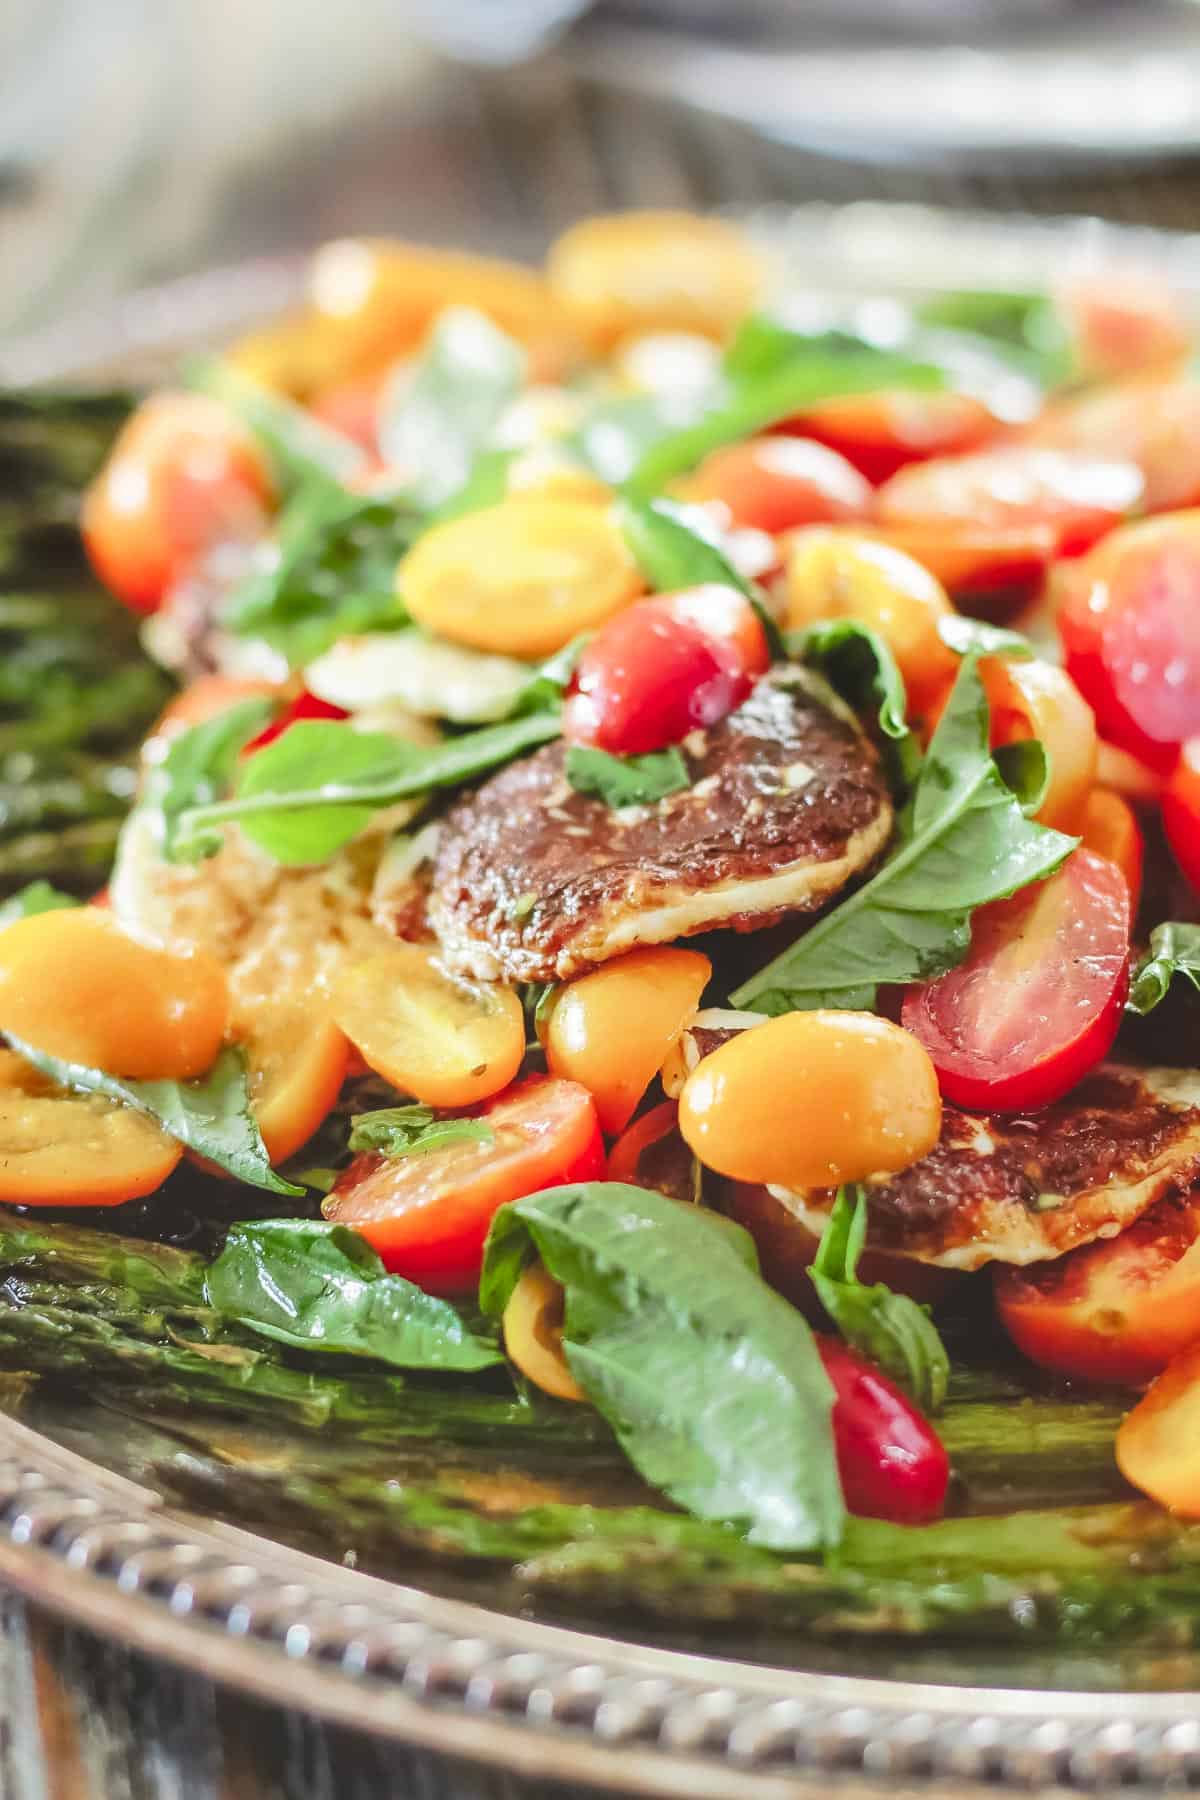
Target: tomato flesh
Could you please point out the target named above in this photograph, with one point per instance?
(891, 1462)
(665, 667)
(428, 1215)
(1038, 1000)
(1154, 422)
(775, 484)
(1181, 811)
(304, 706)
(880, 432)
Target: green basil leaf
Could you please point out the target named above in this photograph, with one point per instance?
(676, 548)
(1025, 768)
(618, 431)
(197, 770)
(710, 1380)
(299, 447)
(1028, 323)
(1174, 950)
(627, 780)
(317, 1286)
(408, 1130)
(890, 1329)
(438, 415)
(486, 485)
(211, 1116)
(976, 637)
(551, 679)
(962, 841)
(35, 897)
(859, 666)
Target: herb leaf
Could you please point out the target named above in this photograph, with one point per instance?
(963, 840)
(436, 417)
(35, 897)
(627, 780)
(197, 770)
(300, 448)
(322, 1287)
(211, 1116)
(889, 1328)
(1174, 950)
(673, 552)
(409, 1130)
(710, 1380)
(976, 636)
(858, 665)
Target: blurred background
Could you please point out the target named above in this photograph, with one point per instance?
(146, 139)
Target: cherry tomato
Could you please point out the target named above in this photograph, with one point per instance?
(1038, 1000)
(1130, 629)
(1158, 1443)
(776, 483)
(352, 408)
(59, 1148)
(625, 1157)
(1110, 828)
(1181, 811)
(428, 1215)
(891, 1462)
(1123, 320)
(989, 567)
(304, 706)
(664, 667)
(882, 431)
(181, 477)
(1116, 1310)
(533, 1322)
(1153, 422)
(208, 696)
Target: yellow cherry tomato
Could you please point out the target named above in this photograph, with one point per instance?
(522, 578)
(612, 1029)
(813, 1099)
(839, 574)
(532, 1327)
(654, 271)
(1157, 1443)
(59, 1148)
(446, 1042)
(297, 1064)
(77, 986)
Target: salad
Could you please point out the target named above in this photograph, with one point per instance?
(682, 799)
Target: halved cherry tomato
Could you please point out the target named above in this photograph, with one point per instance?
(304, 706)
(663, 667)
(182, 476)
(428, 1215)
(1128, 776)
(777, 483)
(59, 1148)
(1181, 811)
(891, 1462)
(1110, 828)
(611, 1029)
(208, 696)
(533, 1322)
(1123, 320)
(1130, 627)
(1116, 1310)
(992, 568)
(74, 984)
(297, 1061)
(1158, 1443)
(1038, 1000)
(624, 1159)
(882, 431)
(1153, 422)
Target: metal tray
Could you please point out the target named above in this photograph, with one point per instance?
(509, 1692)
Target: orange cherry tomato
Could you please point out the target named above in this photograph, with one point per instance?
(841, 574)
(77, 986)
(352, 408)
(59, 1148)
(1128, 776)
(445, 1041)
(1158, 1443)
(532, 1325)
(858, 1094)
(1152, 421)
(182, 476)
(985, 566)
(428, 1216)
(1117, 1310)
(297, 1063)
(1111, 830)
(206, 698)
(610, 1030)
(882, 431)
(624, 1159)
(777, 483)
(1181, 811)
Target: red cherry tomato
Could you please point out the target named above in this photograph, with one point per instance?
(1181, 811)
(352, 407)
(304, 706)
(1116, 1310)
(1153, 422)
(181, 477)
(1129, 620)
(881, 432)
(1123, 320)
(775, 483)
(662, 667)
(892, 1463)
(1077, 496)
(428, 1215)
(1038, 1000)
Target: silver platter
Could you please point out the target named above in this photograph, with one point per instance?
(513, 1694)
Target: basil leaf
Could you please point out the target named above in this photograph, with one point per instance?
(211, 1116)
(890, 1329)
(1028, 323)
(1174, 950)
(319, 785)
(617, 432)
(197, 770)
(977, 637)
(551, 679)
(710, 1380)
(437, 416)
(317, 1286)
(963, 840)
(35, 897)
(1025, 768)
(406, 1130)
(674, 550)
(859, 666)
(486, 485)
(627, 780)
(299, 447)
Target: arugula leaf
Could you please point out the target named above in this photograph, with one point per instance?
(316, 1286)
(211, 1116)
(319, 785)
(963, 840)
(1174, 950)
(411, 1130)
(976, 636)
(889, 1328)
(675, 548)
(34, 897)
(859, 666)
(299, 446)
(197, 770)
(627, 780)
(710, 1380)
(437, 416)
